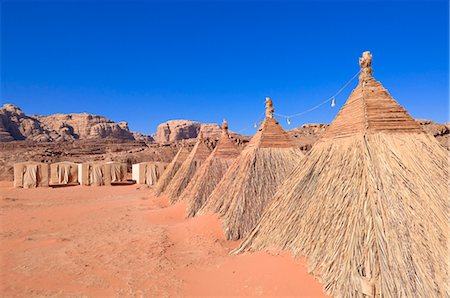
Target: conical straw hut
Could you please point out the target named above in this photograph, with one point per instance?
(198, 155)
(211, 172)
(368, 206)
(171, 170)
(251, 181)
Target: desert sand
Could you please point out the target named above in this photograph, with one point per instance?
(121, 241)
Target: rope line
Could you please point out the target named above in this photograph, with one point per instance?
(323, 102)
(250, 126)
(288, 117)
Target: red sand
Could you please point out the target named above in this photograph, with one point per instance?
(119, 241)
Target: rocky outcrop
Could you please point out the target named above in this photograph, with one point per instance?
(440, 131)
(15, 125)
(306, 135)
(177, 130)
(18, 126)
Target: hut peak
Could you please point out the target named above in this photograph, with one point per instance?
(200, 136)
(365, 62)
(370, 109)
(270, 133)
(269, 108)
(225, 126)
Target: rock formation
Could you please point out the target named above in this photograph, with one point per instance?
(15, 125)
(177, 130)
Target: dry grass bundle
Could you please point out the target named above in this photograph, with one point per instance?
(171, 170)
(248, 185)
(198, 155)
(368, 207)
(210, 173)
(251, 181)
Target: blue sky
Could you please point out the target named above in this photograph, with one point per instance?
(147, 62)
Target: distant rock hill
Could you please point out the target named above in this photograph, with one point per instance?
(15, 125)
(177, 130)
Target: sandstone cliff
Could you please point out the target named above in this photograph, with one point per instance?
(177, 130)
(15, 125)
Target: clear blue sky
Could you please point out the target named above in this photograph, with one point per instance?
(147, 62)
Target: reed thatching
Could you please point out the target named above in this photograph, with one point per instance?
(171, 170)
(198, 155)
(251, 181)
(210, 173)
(368, 205)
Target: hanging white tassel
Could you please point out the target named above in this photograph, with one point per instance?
(288, 121)
(333, 102)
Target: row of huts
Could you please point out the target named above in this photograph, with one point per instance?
(368, 205)
(38, 174)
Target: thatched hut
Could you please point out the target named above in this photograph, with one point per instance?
(64, 173)
(31, 174)
(369, 204)
(198, 155)
(251, 181)
(211, 172)
(148, 172)
(171, 170)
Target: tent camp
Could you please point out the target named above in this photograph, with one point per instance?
(211, 172)
(63, 173)
(148, 172)
(251, 181)
(31, 174)
(198, 155)
(369, 204)
(171, 170)
(117, 171)
(102, 173)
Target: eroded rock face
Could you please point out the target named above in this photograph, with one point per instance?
(15, 125)
(440, 131)
(177, 130)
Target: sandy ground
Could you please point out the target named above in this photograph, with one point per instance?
(121, 242)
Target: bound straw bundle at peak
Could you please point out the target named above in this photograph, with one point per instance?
(361, 205)
(198, 155)
(211, 172)
(171, 170)
(252, 179)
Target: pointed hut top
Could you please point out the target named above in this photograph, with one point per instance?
(365, 62)
(182, 154)
(270, 133)
(200, 136)
(370, 109)
(225, 126)
(226, 147)
(200, 150)
(269, 108)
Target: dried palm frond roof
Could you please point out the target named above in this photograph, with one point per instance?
(198, 155)
(211, 172)
(252, 179)
(368, 205)
(171, 170)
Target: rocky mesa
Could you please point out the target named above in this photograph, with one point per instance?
(177, 130)
(16, 125)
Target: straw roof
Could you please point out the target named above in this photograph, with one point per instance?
(368, 205)
(171, 170)
(211, 172)
(251, 181)
(198, 155)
